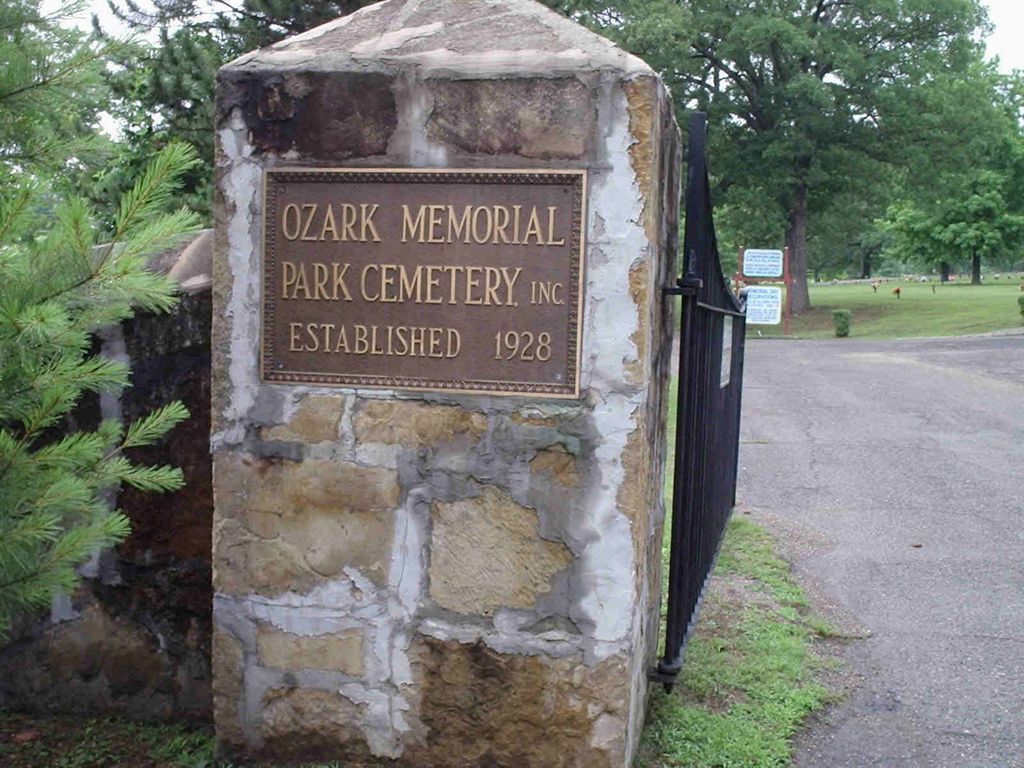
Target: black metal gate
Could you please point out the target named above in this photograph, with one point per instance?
(713, 332)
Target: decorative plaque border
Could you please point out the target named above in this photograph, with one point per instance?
(578, 178)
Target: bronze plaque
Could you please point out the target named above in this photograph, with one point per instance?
(462, 281)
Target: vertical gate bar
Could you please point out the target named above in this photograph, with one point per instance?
(740, 343)
(678, 533)
(697, 502)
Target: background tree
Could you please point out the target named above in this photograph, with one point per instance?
(160, 94)
(974, 222)
(57, 287)
(806, 97)
(164, 91)
(51, 93)
(962, 194)
(844, 239)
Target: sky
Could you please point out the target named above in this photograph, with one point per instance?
(1007, 17)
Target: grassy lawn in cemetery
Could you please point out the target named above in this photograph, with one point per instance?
(953, 309)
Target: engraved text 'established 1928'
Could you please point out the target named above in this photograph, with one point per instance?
(448, 280)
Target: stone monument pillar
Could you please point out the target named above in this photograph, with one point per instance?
(440, 368)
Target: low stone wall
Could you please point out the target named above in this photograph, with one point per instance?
(135, 638)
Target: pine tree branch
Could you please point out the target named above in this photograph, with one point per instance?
(52, 79)
(241, 11)
(13, 209)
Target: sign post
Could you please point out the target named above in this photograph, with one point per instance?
(787, 280)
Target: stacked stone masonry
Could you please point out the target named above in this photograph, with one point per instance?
(134, 639)
(425, 578)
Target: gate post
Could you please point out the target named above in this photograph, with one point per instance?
(440, 376)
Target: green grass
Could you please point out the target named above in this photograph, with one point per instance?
(67, 741)
(749, 553)
(749, 677)
(952, 310)
(75, 742)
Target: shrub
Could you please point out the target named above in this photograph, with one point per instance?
(841, 318)
(58, 287)
(1020, 306)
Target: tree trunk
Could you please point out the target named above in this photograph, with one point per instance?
(796, 240)
(944, 271)
(865, 267)
(976, 269)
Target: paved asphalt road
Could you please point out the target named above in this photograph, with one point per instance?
(904, 462)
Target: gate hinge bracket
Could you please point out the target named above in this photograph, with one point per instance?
(685, 286)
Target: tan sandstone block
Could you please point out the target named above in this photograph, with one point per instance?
(639, 291)
(228, 666)
(486, 554)
(399, 422)
(557, 462)
(249, 483)
(633, 497)
(540, 117)
(489, 708)
(643, 98)
(315, 420)
(643, 103)
(341, 652)
(286, 526)
(635, 500)
(244, 563)
(534, 420)
(299, 724)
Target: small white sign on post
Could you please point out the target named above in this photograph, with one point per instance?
(762, 263)
(764, 305)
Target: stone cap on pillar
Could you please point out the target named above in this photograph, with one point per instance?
(482, 38)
